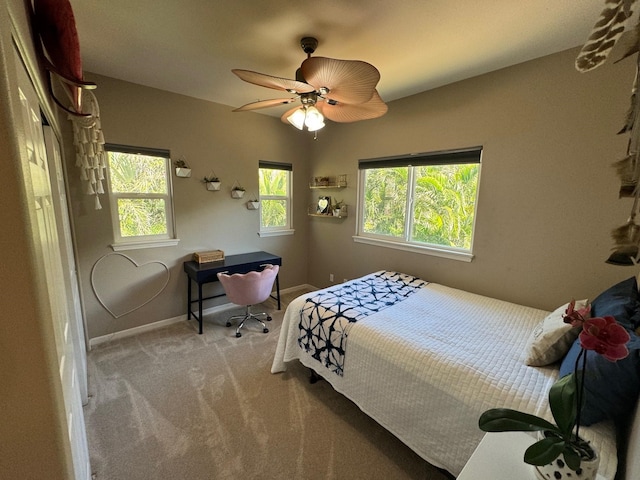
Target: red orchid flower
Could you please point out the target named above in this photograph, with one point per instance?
(606, 337)
(576, 317)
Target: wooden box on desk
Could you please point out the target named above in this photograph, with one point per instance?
(209, 256)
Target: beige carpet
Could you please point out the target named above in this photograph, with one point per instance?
(172, 404)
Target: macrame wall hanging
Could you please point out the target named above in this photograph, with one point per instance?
(89, 145)
(608, 30)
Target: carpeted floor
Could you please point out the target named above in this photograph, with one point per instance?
(172, 404)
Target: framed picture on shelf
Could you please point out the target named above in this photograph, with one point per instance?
(324, 206)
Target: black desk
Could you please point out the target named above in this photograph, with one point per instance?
(202, 273)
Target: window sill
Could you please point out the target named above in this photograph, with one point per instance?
(426, 250)
(166, 242)
(276, 233)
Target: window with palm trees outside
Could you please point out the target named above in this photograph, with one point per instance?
(424, 202)
(275, 198)
(140, 193)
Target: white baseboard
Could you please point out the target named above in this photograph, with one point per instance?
(93, 342)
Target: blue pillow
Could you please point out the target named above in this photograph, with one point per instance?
(611, 388)
(621, 301)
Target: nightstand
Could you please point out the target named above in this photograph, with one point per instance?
(499, 456)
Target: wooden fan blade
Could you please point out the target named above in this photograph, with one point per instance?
(277, 83)
(348, 81)
(346, 113)
(265, 104)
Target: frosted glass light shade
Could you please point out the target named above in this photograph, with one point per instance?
(297, 118)
(314, 119)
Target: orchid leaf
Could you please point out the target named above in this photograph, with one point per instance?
(544, 451)
(507, 420)
(562, 400)
(572, 458)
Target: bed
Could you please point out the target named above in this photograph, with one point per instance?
(425, 360)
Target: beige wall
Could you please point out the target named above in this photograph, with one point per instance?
(548, 194)
(210, 137)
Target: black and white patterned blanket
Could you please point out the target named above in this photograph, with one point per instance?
(325, 318)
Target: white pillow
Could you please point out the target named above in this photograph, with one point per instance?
(552, 338)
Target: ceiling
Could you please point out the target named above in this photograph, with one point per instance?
(190, 46)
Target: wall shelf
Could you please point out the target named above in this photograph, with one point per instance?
(339, 181)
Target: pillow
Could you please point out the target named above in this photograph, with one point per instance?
(611, 388)
(621, 301)
(552, 338)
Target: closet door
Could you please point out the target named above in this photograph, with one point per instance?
(59, 195)
(50, 248)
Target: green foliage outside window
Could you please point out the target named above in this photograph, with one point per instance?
(274, 187)
(142, 216)
(140, 184)
(441, 211)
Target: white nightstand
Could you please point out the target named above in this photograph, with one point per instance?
(500, 457)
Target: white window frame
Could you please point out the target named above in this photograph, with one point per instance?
(287, 229)
(121, 243)
(459, 156)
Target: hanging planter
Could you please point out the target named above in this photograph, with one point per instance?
(253, 205)
(182, 169)
(212, 182)
(237, 191)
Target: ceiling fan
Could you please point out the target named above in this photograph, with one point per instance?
(340, 90)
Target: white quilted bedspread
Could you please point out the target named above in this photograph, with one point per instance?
(426, 368)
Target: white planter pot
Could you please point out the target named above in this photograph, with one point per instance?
(558, 469)
(237, 193)
(213, 185)
(253, 205)
(183, 172)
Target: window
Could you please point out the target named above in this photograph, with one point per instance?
(275, 198)
(140, 196)
(423, 202)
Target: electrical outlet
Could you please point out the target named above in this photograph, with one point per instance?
(345, 280)
(331, 277)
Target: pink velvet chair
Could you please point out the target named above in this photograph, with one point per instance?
(249, 289)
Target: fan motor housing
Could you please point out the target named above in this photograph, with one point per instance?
(309, 45)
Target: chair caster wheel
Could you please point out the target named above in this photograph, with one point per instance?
(228, 324)
(269, 318)
(238, 334)
(265, 330)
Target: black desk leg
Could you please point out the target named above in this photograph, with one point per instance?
(200, 307)
(188, 297)
(278, 289)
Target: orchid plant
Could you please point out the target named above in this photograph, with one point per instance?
(604, 336)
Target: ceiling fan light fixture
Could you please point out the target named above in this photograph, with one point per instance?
(297, 118)
(314, 119)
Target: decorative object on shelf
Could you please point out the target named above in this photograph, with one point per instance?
(608, 29)
(212, 181)
(89, 145)
(559, 444)
(328, 182)
(237, 191)
(341, 90)
(182, 169)
(324, 206)
(339, 209)
(208, 256)
(54, 22)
